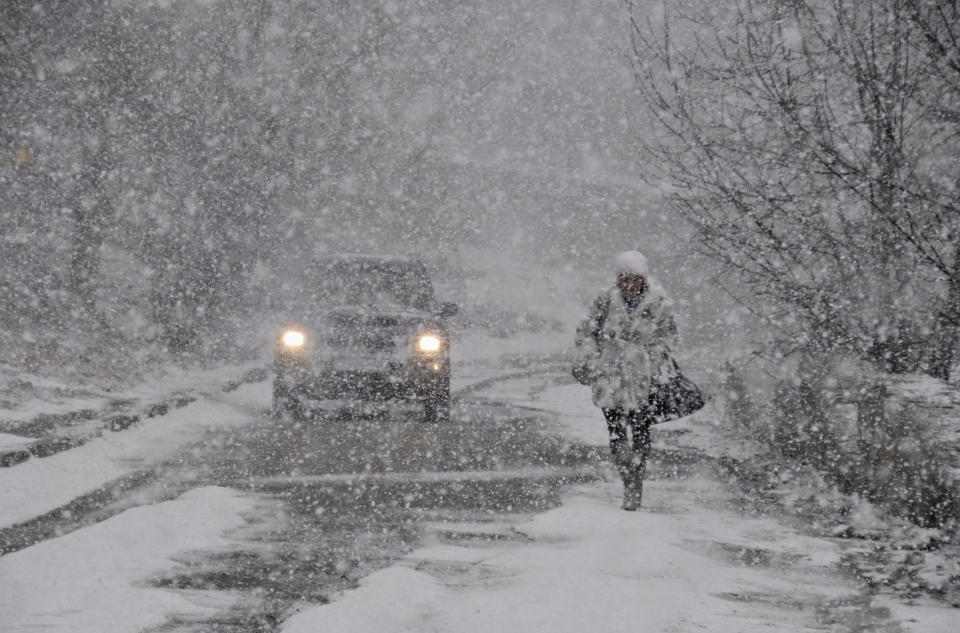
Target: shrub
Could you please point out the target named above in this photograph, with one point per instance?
(859, 434)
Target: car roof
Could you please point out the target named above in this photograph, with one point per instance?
(363, 258)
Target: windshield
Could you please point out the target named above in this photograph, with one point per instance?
(379, 285)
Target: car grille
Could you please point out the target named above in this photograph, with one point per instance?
(345, 383)
(367, 342)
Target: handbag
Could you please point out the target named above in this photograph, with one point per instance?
(583, 373)
(676, 397)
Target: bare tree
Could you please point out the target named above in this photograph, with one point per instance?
(808, 144)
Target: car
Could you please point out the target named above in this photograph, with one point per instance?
(363, 327)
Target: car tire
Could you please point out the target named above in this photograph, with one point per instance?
(436, 408)
(285, 400)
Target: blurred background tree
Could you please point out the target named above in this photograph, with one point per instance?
(183, 153)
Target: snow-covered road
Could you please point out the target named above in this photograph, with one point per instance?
(682, 564)
(687, 562)
(691, 560)
(39, 486)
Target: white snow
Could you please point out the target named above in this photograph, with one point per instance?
(594, 567)
(24, 396)
(688, 561)
(9, 441)
(38, 486)
(96, 580)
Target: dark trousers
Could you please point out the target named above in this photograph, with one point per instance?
(629, 453)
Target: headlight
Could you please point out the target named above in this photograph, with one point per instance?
(429, 343)
(292, 338)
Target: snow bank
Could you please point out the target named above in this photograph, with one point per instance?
(10, 441)
(38, 486)
(593, 567)
(96, 580)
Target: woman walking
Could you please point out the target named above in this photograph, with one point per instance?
(623, 342)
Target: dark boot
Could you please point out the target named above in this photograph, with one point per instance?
(631, 500)
(638, 490)
(623, 460)
(632, 490)
(631, 495)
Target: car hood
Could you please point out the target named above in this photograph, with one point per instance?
(365, 319)
(373, 330)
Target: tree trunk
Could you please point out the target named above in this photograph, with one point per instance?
(89, 219)
(945, 338)
(85, 255)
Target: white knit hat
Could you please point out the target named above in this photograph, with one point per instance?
(632, 262)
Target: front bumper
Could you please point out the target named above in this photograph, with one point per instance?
(415, 379)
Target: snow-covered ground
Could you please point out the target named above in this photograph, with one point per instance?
(690, 560)
(96, 579)
(687, 561)
(675, 567)
(40, 485)
(9, 440)
(24, 395)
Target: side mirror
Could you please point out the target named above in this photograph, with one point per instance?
(446, 309)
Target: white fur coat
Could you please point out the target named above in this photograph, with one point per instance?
(626, 348)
